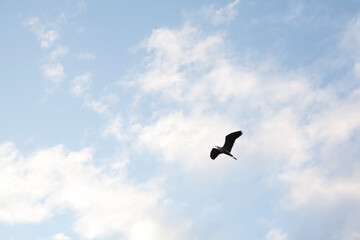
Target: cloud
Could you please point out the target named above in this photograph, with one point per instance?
(61, 236)
(296, 11)
(338, 123)
(58, 52)
(351, 38)
(54, 73)
(295, 130)
(37, 187)
(97, 106)
(81, 84)
(350, 44)
(279, 135)
(204, 77)
(229, 81)
(52, 70)
(276, 234)
(186, 139)
(169, 49)
(220, 15)
(115, 128)
(300, 131)
(187, 65)
(80, 87)
(175, 50)
(323, 196)
(101, 105)
(324, 189)
(311, 187)
(46, 36)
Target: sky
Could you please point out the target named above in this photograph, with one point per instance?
(109, 111)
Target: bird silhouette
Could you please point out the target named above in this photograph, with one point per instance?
(229, 143)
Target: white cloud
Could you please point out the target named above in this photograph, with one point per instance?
(61, 236)
(81, 84)
(54, 73)
(97, 106)
(276, 234)
(324, 195)
(338, 122)
(35, 188)
(52, 70)
(203, 76)
(187, 140)
(280, 136)
(80, 87)
(46, 36)
(286, 118)
(291, 124)
(351, 37)
(58, 52)
(20, 188)
(284, 114)
(221, 15)
(114, 128)
(226, 14)
(176, 56)
(187, 65)
(101, 105)
(310, 187)
(227, 80)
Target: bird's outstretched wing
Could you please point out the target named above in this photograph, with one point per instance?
(230, 139)
(214, 153)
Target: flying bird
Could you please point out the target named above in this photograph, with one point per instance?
(229, 143)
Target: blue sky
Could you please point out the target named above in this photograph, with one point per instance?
(109, 111)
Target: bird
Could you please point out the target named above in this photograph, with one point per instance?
(229, 143)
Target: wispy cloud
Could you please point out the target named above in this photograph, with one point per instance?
(276, 234)
(114, 128)
(54, 73)
(61, 236)
(220, 15)
(58, 52)
(52, 69)
(80, 87)
(81, 84)
(295, 12)
(97, 105)
(45, 35)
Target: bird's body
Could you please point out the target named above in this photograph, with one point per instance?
(226, 149)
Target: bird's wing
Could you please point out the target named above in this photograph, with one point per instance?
(230, 139)
(214, 153)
